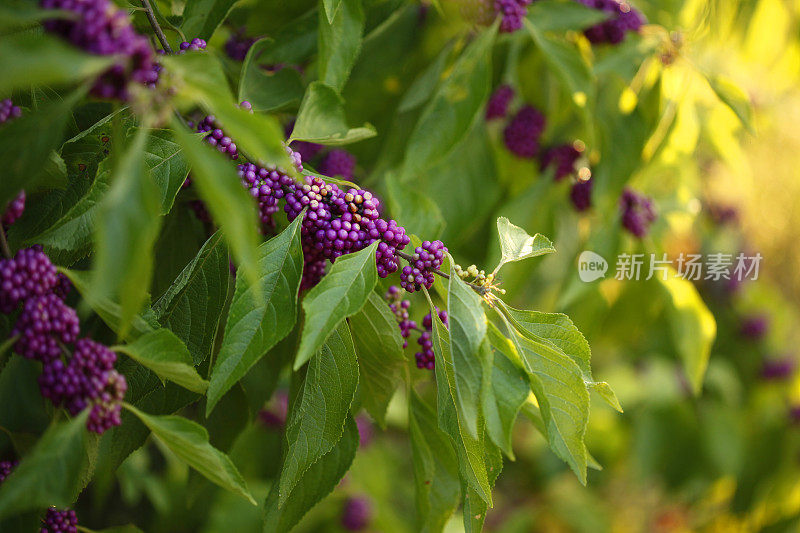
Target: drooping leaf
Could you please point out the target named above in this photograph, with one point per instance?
(319, 480)
(321, 119)
(474, 509)
(472, 364)
(319, 409)
(341, 293)
(379, 348)
(22, 407)
(692, 326)
(52, 473)
(470, 451)
(166, 355)
(551, 15)
(229, 203)
(28, 60)
(331, 8)
(268, 91)
(259, 318)
(516, 244)
(735, 98)
(192, 306)
(202, 17)
(167, 166)
(39, 132)
(423, 87)
(189, 442)
(128, 223)
(340, 39)
(454, 107)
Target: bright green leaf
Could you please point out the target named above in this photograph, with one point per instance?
(268, 91)
(516, 244)
(167, 166)
(202, 17)
(340, 39)
(321, 119)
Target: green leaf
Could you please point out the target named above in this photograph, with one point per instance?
(166, 355)
(469, 450)
(567, 63)
(22, 407)
(258, 136)
(423, 87)
(421, 214)
(472, 364)
(52, 473)
(39, 132)
(202, 17)
(331, 8)
(28, 60)
(516, 244)
(189, 442)
(342, 293)
(192, 306)
(268, 91)
(108, 310)
(167, 166)
(557, 382)
(734, 97)
(604, 390)
(379, 347)
(474, 510)
(19, 14)
(319, 480)
(551, 15)
(319, 409)
(340, 38)
(230, 205)
(510, 389)
(449, 115)
(128, 223)
(435, 467)
(261, 316)
(692, 326)
(321, 119)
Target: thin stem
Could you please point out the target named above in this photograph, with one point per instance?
(148, 9)
(480, 289)
(4, 243)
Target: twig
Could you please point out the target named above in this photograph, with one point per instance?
(148, 9)
(4, 243)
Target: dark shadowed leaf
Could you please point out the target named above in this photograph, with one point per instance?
(202, 17)
(268, 91)
(321, 118)
(168, 168)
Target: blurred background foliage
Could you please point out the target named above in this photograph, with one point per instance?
(665, 112)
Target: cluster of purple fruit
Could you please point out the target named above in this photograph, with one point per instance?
(238, 44)
(100, 28)
(5, 469)
(43, 329)
(638, 212)
(523, 132)
(60, 521)
(8, 111)
(426, 259)
(623, 18)
(216, 137)
(14, 209)
(511, 13)
(426, 358)
(399, 307)
(356, 514)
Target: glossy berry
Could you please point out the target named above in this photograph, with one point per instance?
(638, 212)
(357, 514)
(107, 407)
(623, 19)
(339, 163)
(29, 273)
(581, 195)
(217, 137)
(511, 13)
(426, 259)
(522, 134)
(562, 158)
(8, 111)
(45, 321)
(497, 107)
(425, 358)
(60, 521)
(14, 210)
(5, 469)
(195, 44)
(100, 28)
(400, 309)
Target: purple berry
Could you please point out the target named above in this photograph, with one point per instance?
(60, 521)
(365, 431)
(522, 134)
(497, 107)
(512, 13)
(107, 407)
(426, 259)
(563, 158)
(8, 111)
(778, 368)
(357, 514)
(102, 29)
(14, 210)
(44, 323)
(581, 195)
(637, 212)
(238, 45)
(624, 18)
(5, 469)
(338, 162)
(754, 327)
(29, 273)
(275, 415)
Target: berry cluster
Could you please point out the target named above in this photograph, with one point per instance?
(624, 18)
(754, 327)
(8, 111)
(43, 329)
(216, 137)
(563, 157)
(14, 210)
(637, 212)
(338, 162)
(581, 194)
(426, 358)
(399, 307)
(195, 44)
(5, 469)
(238, 45)
(512, 13)
(778, 368)
(357, 514)
(99, 27)
(425, 260)
(497, 107)
(522, 133)
(60, 521)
